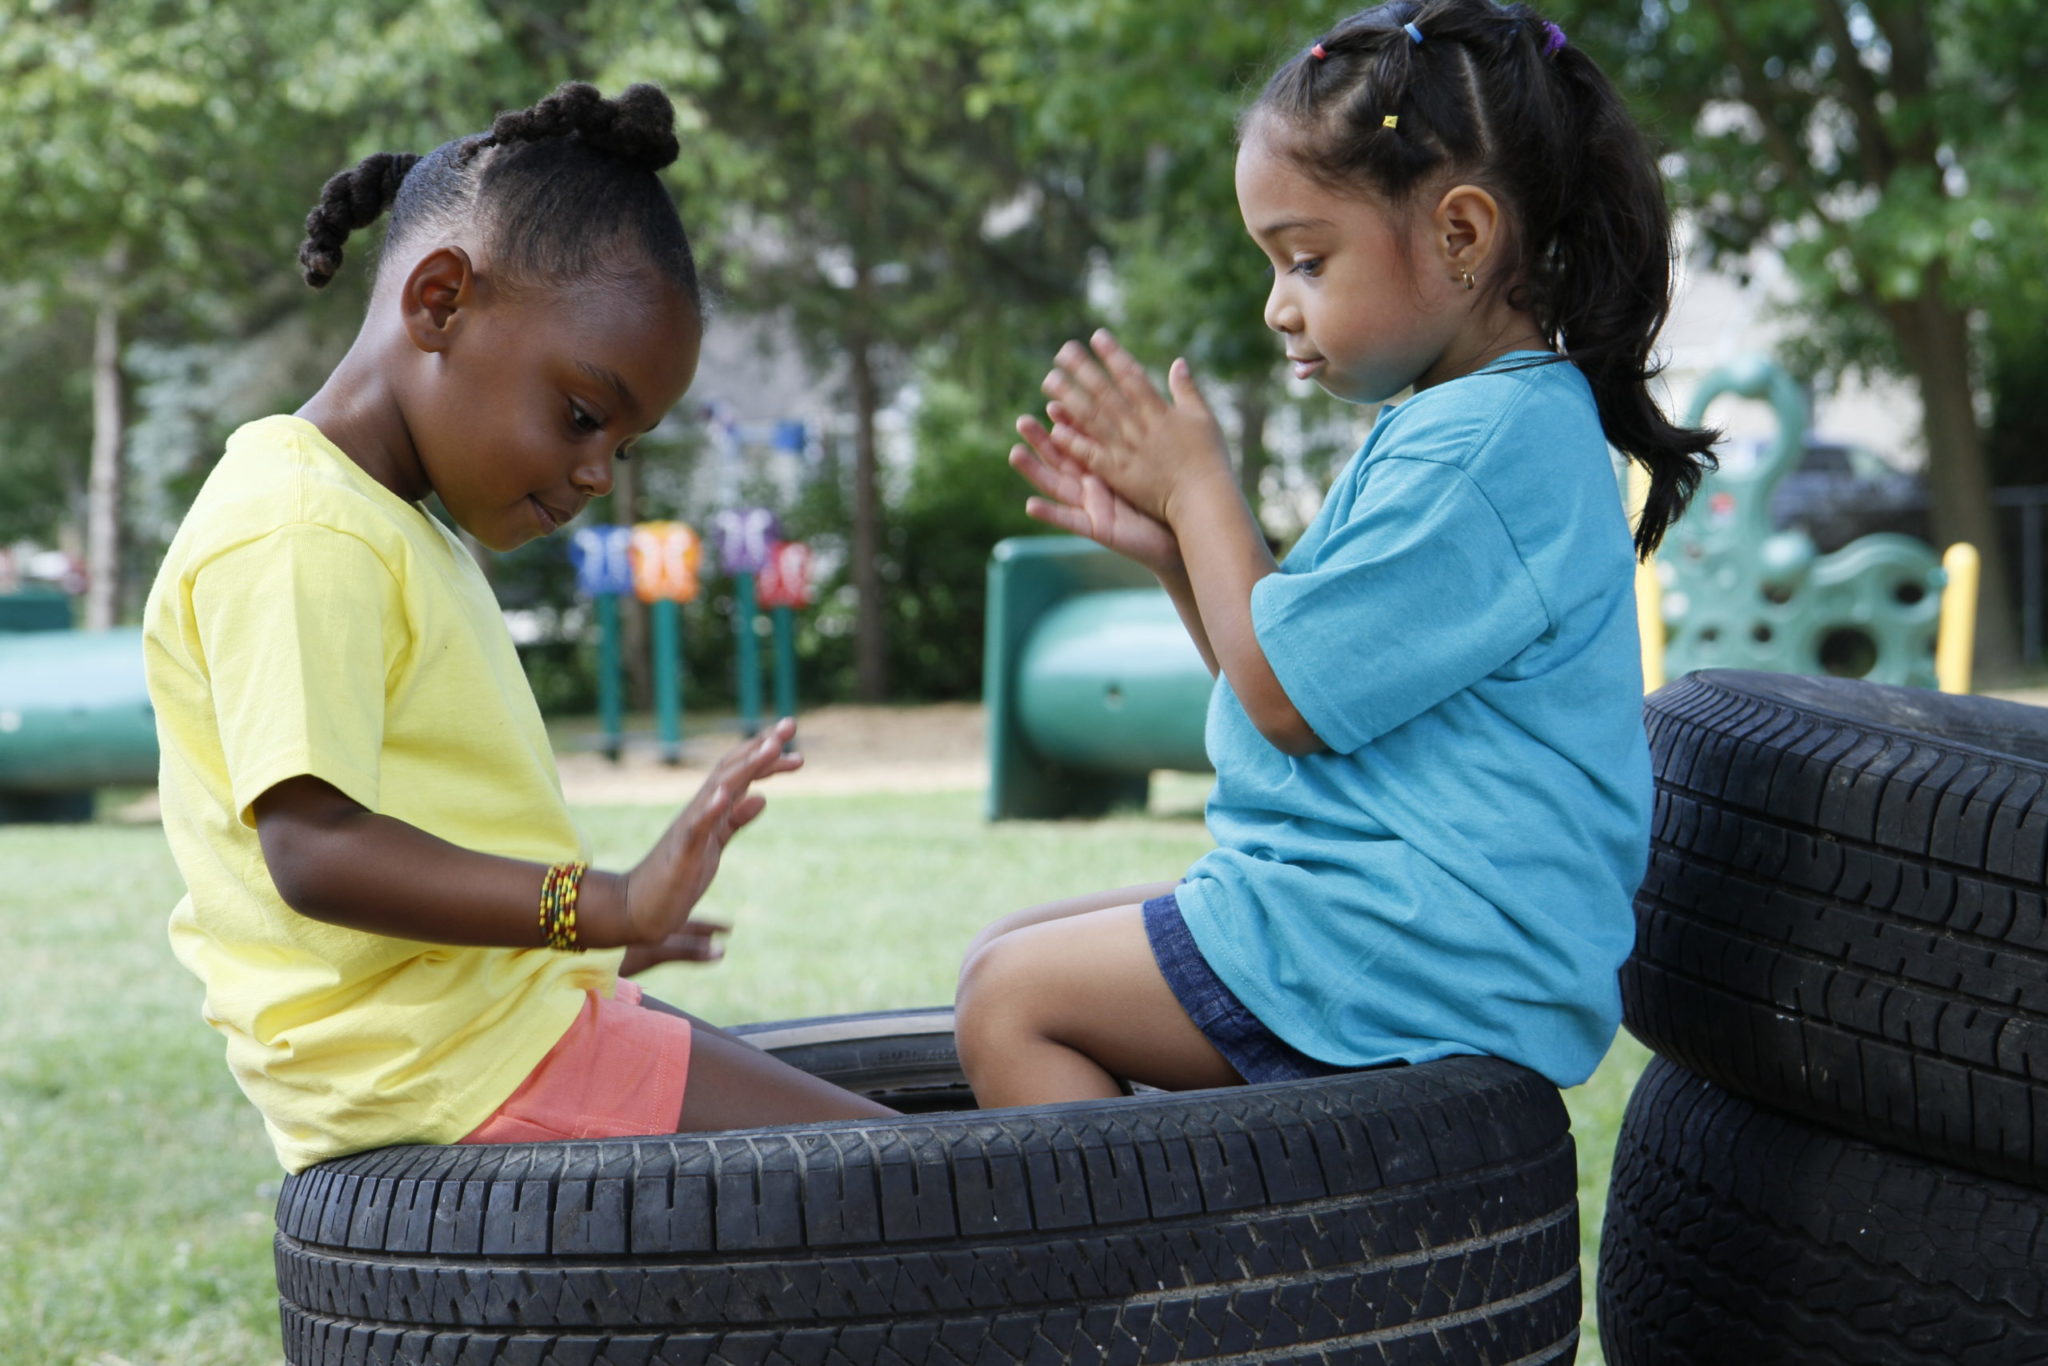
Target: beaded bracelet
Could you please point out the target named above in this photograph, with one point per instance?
(558, 906)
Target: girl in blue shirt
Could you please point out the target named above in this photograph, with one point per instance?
(1432, 785)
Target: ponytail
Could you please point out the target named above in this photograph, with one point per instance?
(1494, 93)
(563, 190)
(1606, 290)
(349, 200)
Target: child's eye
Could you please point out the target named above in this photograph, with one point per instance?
(623, 453)
(1310, 265)
(581, 418)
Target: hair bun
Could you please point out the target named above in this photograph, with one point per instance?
(639, 127)
(350, 199)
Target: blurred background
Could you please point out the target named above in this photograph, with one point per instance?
(905, 205)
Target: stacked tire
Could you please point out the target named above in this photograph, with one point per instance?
(1410, 1215)
(1840, 1154)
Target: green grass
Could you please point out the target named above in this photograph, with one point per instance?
(136, 1186)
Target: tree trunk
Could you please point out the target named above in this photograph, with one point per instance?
(104, 485)
(870, 639)
(1254, 402)
(1934, 339)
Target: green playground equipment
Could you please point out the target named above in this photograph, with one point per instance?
(74, 711)
(1738, 595)
(1091, 681)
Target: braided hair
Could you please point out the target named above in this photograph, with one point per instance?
(563, 190)
(1495, 95)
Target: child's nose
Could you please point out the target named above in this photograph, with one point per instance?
(594, 477)
(1281, 314)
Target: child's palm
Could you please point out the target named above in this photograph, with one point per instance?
(1077, 501)
(1114, 423)
(664, 887)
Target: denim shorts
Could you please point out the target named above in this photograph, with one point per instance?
(1256, 1052)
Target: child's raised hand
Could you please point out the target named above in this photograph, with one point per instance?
(662, 888)
(1119, 427)
(1078, 502)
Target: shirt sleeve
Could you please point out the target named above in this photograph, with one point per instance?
(300, 630)
(1419, 594)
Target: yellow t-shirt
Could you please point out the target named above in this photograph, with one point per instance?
(307, 620)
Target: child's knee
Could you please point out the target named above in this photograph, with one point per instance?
(991, 1007)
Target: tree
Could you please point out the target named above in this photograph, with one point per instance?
(172, 148)
(1892, 152)
(851, 175)
(102, 199)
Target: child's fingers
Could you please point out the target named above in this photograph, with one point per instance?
(1085, 449)
(696, 949)
(1038, 474)
(1082, 382)
(1061, 515)
(1079, 365)
(1039, 451)
(1124, 371)
(743, 813)
(1061, 387)
(1039, 439)
(1065, 424)
(1180, 379)
(755, 757)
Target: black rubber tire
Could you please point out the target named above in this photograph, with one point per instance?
(902, 1058)
(1845, 915)
(1424, 1214)
(1737, 1236)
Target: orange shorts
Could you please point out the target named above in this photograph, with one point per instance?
(618, 1071)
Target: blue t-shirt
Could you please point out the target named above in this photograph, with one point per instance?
(1453, 873)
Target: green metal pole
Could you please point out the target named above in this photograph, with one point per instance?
(750, 654)
(668, 682)
(608, 707)
(785, 662)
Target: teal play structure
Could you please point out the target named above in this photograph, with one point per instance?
(74, 711)
(1739, 595)
(1091, 682)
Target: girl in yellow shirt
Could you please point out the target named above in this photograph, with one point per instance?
(388, 902)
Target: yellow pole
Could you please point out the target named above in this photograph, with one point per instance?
(1956, 637)
(1650, 624)
(1649, 589)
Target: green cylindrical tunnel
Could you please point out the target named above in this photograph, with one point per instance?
(1110, 680)
(74, 711)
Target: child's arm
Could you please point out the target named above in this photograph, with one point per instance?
(1168, 461)
(335, 861)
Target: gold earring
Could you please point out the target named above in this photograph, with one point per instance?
(1466, 276)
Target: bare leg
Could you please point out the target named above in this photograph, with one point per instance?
(1060, 1009)
(734, 1085)
(1060, 910)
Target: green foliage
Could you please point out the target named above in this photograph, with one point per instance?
(1885, 149)
(45, 416)
(1144, 100)
(961, 499)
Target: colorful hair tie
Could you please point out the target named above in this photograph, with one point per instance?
(1391, 121)
(1318, 52)
(1553, 39)
(1414, 33)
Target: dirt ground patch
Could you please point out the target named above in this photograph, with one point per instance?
(934, 748)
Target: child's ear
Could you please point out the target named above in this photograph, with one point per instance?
(1468, 228)
(441, 285)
